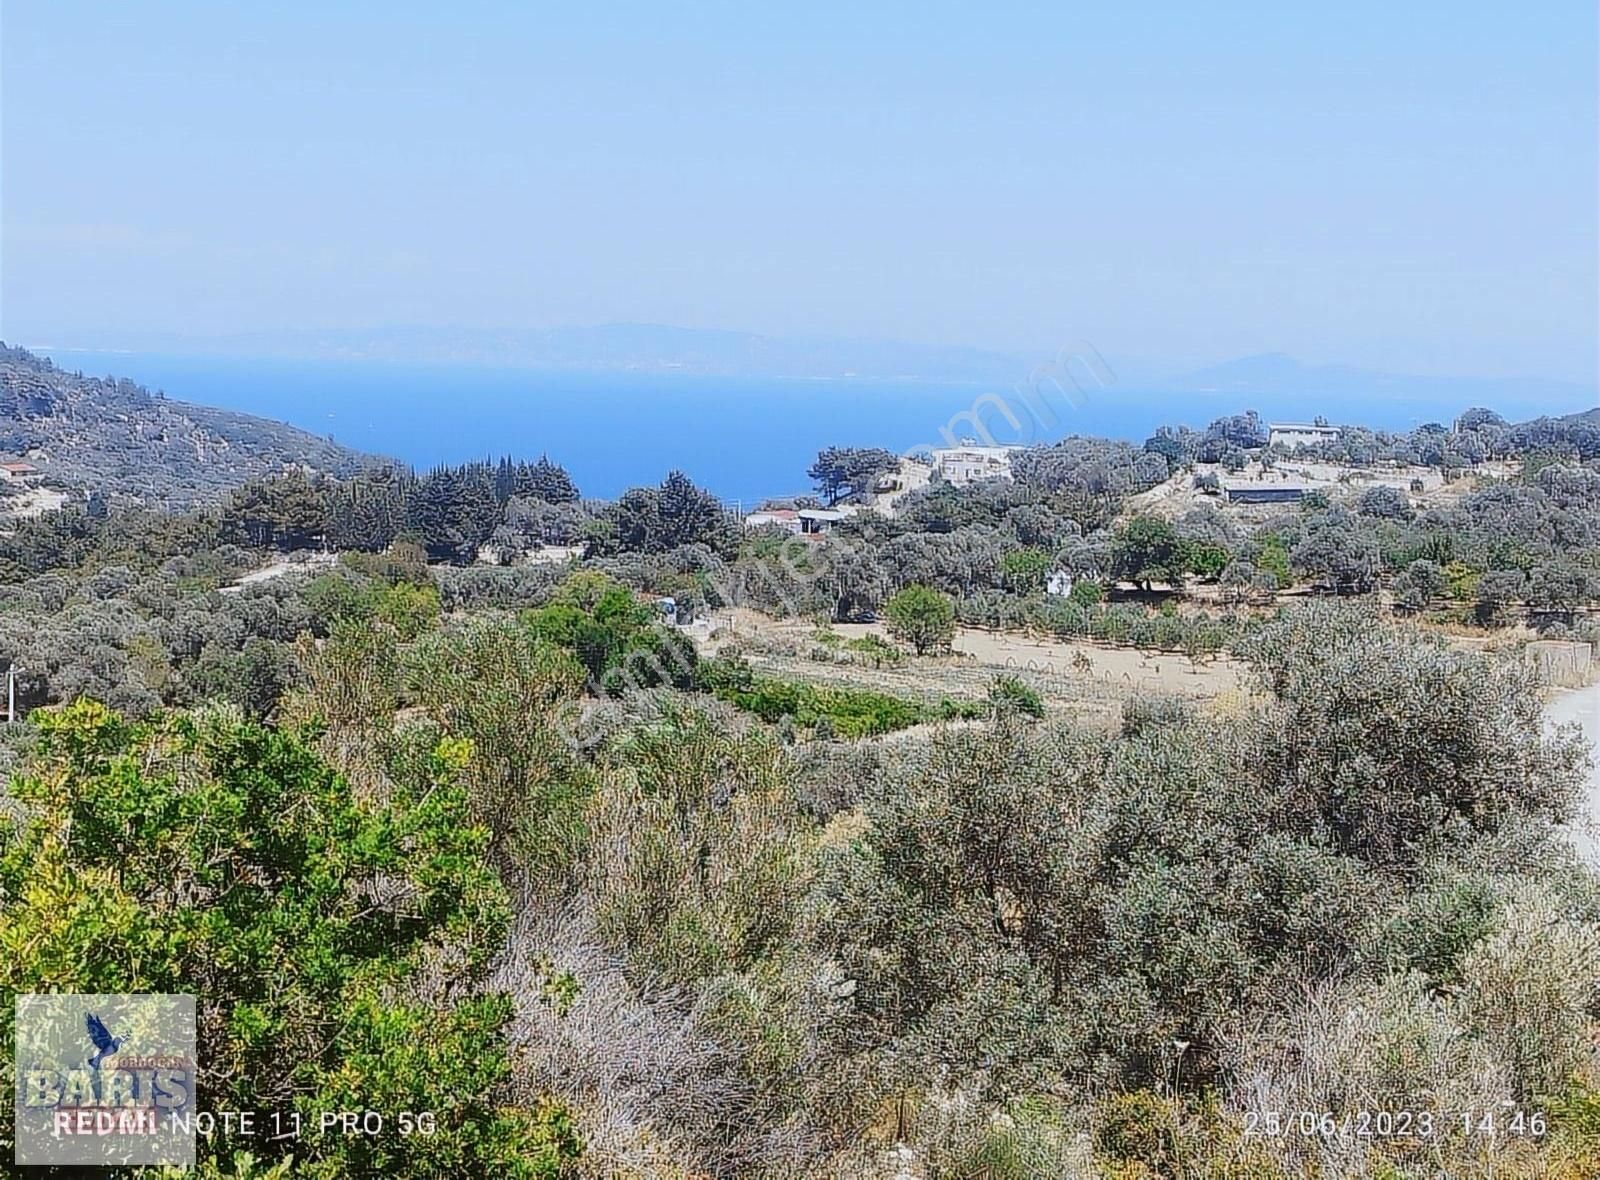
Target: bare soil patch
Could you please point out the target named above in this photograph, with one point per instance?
(1087, 680)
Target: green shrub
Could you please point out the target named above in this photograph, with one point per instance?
(1574, 1109)
(407, 607)
(879, 652)
(652, 658)
(1086, 593)
(848, 712)
(226, 859)
(1008, 693)
(1529, 988)
(1024, 570)
(1138, 1127)
(1067, 618)
(1439, 924)
(601, 622)
(726, 672)
(922, 617)
(688, 880)
(1142, 713)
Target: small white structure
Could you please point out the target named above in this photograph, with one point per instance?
(816, 521)
(1058, 583)
(1294, 435)
(784, 518)
(1258, 492)
(18, 472)
(969, 462)
(553, 554)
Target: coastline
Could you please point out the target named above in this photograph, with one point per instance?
(742, 437)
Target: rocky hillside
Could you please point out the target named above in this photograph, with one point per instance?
(94, 434)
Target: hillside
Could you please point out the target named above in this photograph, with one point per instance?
(114, 436)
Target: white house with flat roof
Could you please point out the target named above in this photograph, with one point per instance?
(816, 521)
(783, 518)
(1258, 492)
(969, 462)
(1294, 435)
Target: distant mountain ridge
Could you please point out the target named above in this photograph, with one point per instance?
(635, 348)
(116, 437)
(659, 348)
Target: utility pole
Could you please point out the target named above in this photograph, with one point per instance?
(11, 692)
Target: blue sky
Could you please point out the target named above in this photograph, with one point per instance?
(1409, 186)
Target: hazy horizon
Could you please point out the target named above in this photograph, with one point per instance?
(670, 350)
(1407, 190)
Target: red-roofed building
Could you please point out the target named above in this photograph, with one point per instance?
(18, 472)
(784, 518)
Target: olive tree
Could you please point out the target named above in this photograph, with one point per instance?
(1342, 556)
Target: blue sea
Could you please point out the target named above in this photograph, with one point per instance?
(745, 439)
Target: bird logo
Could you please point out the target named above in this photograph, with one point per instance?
(105, 1044)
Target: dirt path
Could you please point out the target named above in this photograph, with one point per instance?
(280, 566)
(1582, 705)
(33, 502)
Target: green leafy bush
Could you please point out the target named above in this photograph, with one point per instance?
(876, 651)
(1011, 692)
(922, 617)
(243, 870)
(847, 712)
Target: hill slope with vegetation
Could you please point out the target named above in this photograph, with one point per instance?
(675, 925)
(112, 436)
(614, 891)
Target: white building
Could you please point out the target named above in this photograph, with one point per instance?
(1295, 435)
(816, 521)
(1259, 492)
(784, 518)
(969, 463)
(18, 472)
(1059, 583)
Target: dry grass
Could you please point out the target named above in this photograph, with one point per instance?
(657, 1093)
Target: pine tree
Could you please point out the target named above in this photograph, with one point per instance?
(505, 479)
(547, 481)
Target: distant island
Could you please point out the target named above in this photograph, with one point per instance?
(666, 349)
